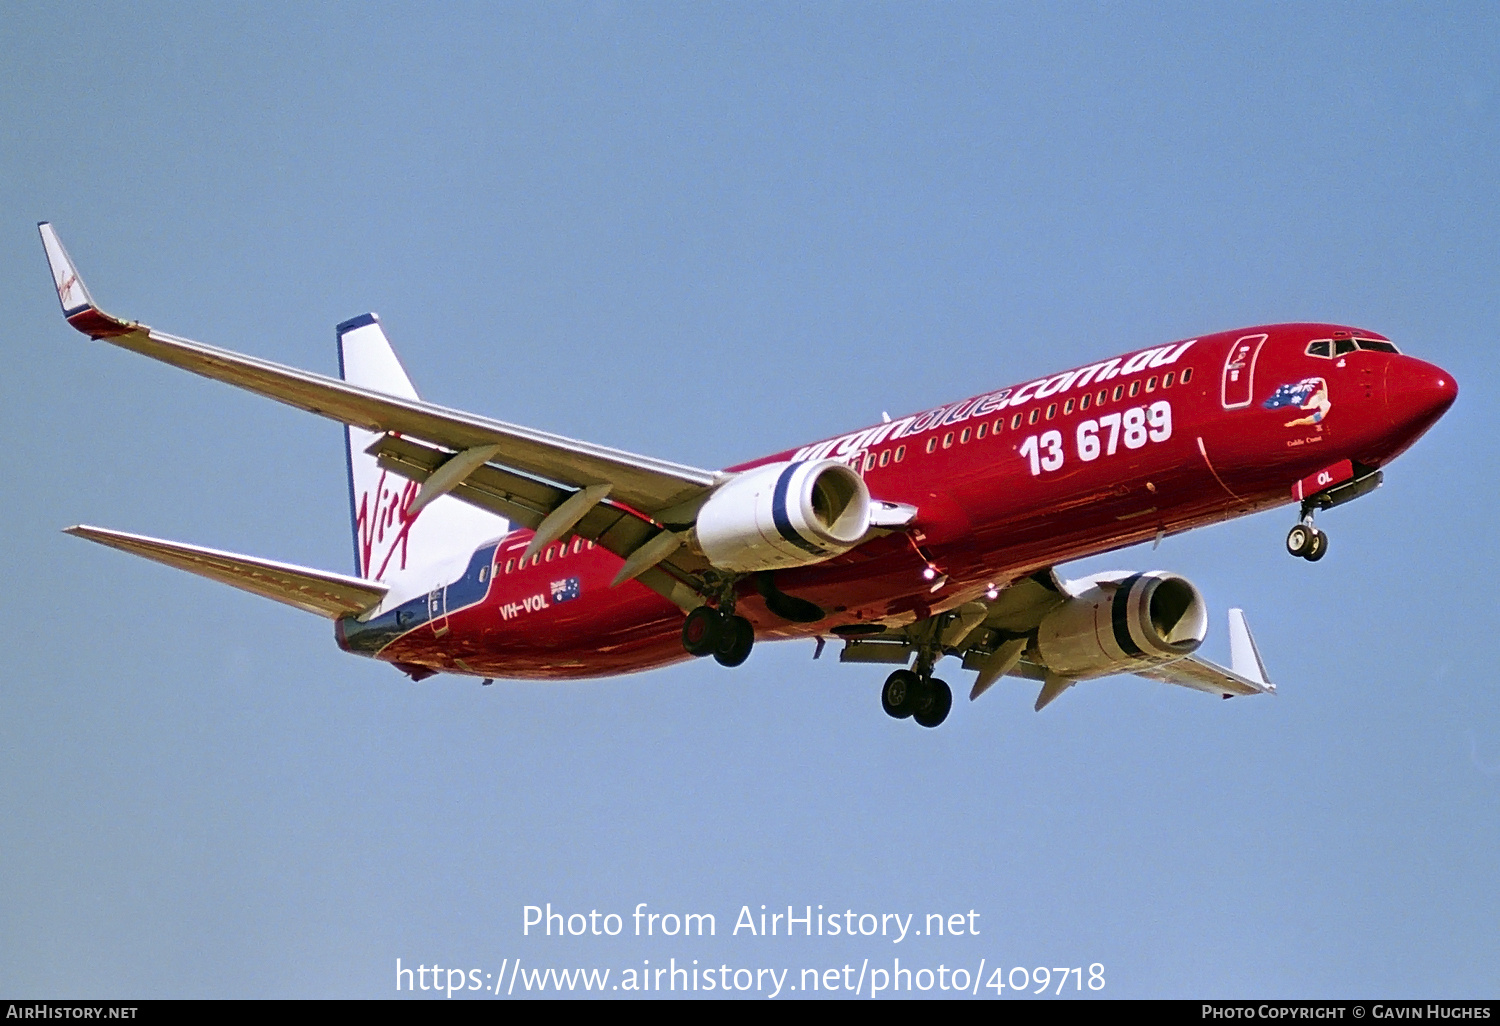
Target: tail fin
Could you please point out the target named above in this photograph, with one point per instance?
(390, 537)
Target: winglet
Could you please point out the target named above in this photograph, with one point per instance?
(1244, 657)
(77, 305)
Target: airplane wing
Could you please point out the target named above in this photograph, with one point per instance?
(315, 591)
(1202, 675)
(992, 636)
(646, 484)
(1248, 676)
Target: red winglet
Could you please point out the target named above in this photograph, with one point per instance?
(78, 306)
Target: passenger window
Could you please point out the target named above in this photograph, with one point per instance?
(484, 574)
(1032, 419)
(870, 461)
(548, 553)
(1015, 422)
(1102, 396)
(1151, 383)
(900, 453)
(1067, 407)
(1343, 346)
(1322, 347)
(1051, 410)
(1135, 388)
(979, 432)
(932, 444)
(510, 564)
(963, 437)
(1083, 403)
(1119, 391)
(948, 440)
(1187, 375)
(577, 546)
(885, 457)
(1166, 382)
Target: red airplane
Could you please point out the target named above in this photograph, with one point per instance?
(924, 536)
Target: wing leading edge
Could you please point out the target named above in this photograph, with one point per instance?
(644, 483)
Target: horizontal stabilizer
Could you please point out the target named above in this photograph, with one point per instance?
(316, 591)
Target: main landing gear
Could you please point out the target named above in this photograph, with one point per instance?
(726, 637)
(1307, 541)
(924, 698)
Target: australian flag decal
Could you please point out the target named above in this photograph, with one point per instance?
(1295, 394)
(563, 591)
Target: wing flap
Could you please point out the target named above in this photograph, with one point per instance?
(528, 502)
(315, 591)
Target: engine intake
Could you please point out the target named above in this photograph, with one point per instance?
(784, 514)
(1119, 626)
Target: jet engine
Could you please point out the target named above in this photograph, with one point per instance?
(784, 514)
(1123, 624)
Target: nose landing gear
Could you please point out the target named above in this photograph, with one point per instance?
(1343, 482)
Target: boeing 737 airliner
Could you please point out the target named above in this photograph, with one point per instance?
(491, 550)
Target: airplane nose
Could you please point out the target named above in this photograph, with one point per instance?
(1417, 393)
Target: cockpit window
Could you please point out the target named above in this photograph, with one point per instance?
(1321, 348)
(1376, 346)
(1342, 346)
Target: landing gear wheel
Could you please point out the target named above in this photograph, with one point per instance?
(939, 702)
(1299, 539)
(1318, 547)
(736, 638)
(701, 631)
(900, 689)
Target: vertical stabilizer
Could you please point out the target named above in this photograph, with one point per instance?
(391, 539)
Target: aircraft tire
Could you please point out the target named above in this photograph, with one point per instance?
(938, 707)
(736, 638)
(701, 631)
(1317, 548)
(1299, 540)
(900, 690)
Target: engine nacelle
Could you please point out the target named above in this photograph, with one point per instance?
(784, 514)
(1120, 626)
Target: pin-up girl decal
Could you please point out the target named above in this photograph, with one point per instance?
(1309, 394)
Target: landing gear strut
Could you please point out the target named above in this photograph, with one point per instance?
(924, 698)
(1355, 480)
(726, 637)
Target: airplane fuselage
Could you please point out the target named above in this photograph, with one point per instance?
(1005, 483)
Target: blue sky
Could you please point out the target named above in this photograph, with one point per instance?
(707, 233)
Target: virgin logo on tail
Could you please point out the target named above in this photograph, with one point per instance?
(384, 532)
